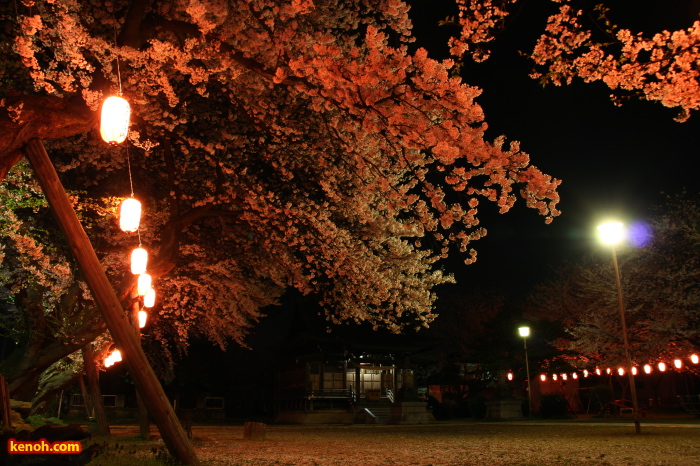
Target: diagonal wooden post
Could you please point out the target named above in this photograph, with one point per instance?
(117, 322)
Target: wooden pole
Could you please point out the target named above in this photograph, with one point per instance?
(144, 423)
(117, 322)
(628, 359)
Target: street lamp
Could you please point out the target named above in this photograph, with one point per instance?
(612, 233)
(525, 332)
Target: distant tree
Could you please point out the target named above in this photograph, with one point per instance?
(585, 40)
(660, 293)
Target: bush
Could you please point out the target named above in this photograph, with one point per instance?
(554, 406)
(477, 407)
(38, 420)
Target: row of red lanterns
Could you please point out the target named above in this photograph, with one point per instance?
(647, 368)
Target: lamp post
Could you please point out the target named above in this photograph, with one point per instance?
(525, 332)
(612, 233)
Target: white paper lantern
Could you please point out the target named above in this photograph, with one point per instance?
(116, 355)
(143, 316)
(139, 260)
(130, 215)
(114, 123)
(144, 284)
(150, 298)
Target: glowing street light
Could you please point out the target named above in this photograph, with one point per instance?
(525, 332)
(613, 233)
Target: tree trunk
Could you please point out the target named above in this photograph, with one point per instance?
(53, 381)
(254, 431)
(123, 334)
(41, 352)
(5, 410)
(86, 397)
(94, 389)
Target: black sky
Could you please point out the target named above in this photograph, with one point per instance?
(613, 161)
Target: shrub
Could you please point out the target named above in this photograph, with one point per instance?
(38, 420)
(554, 406)
(477, 407)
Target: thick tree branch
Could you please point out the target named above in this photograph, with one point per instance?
(40, 117)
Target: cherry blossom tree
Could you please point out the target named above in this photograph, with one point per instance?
(660, 293)
(583, 40)
(274, 144)
(53, 314)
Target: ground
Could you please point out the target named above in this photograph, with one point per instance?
(570, 442)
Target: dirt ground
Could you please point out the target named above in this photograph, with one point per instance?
(572, 442)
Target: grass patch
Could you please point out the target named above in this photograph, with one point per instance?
(126, 451)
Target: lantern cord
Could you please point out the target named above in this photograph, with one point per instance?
(128, 164)
(119, 74)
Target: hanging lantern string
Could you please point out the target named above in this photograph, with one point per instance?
(128, 164)
(119, 74)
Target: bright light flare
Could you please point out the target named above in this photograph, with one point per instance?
(611, 233)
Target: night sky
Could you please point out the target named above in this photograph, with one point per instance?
(613, 161)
